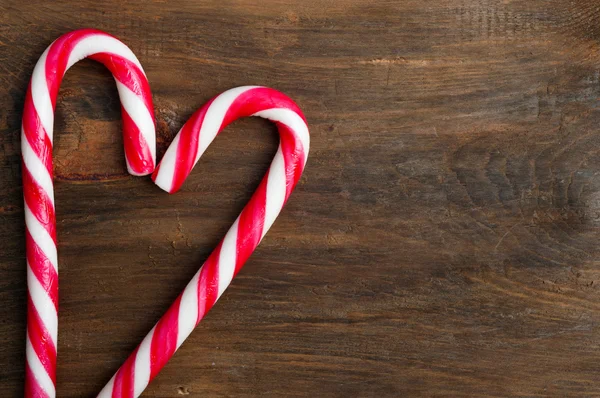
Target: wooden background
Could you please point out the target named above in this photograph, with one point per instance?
(444, 240)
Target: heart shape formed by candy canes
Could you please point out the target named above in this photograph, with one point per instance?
(184, 152)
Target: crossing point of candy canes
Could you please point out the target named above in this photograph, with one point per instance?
(184, 152)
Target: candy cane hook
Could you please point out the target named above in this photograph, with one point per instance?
(36, 149)
(242, 238)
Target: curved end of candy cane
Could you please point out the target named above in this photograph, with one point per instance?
(164, 175)
(140, 153)
(147, 170)
(204, 125)
(139, 133)
(162, 180)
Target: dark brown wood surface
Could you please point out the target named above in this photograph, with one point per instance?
(444, 240)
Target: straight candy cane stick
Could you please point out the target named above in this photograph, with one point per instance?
(36, 149)
(242, 238)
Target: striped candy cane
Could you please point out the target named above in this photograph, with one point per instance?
(242, 238)
(36, 148)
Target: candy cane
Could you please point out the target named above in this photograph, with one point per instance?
(36, 149)
(242, 238)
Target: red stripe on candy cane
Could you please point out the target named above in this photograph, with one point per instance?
(39, 202)
(208, 284)
(124, 383)
(34, 133)
(46, 274)
(32, 386)
(164, 340)
(187, 149)
(37, 335)
(252, 220)
(136, 152)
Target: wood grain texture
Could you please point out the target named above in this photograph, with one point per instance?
(442, 242)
